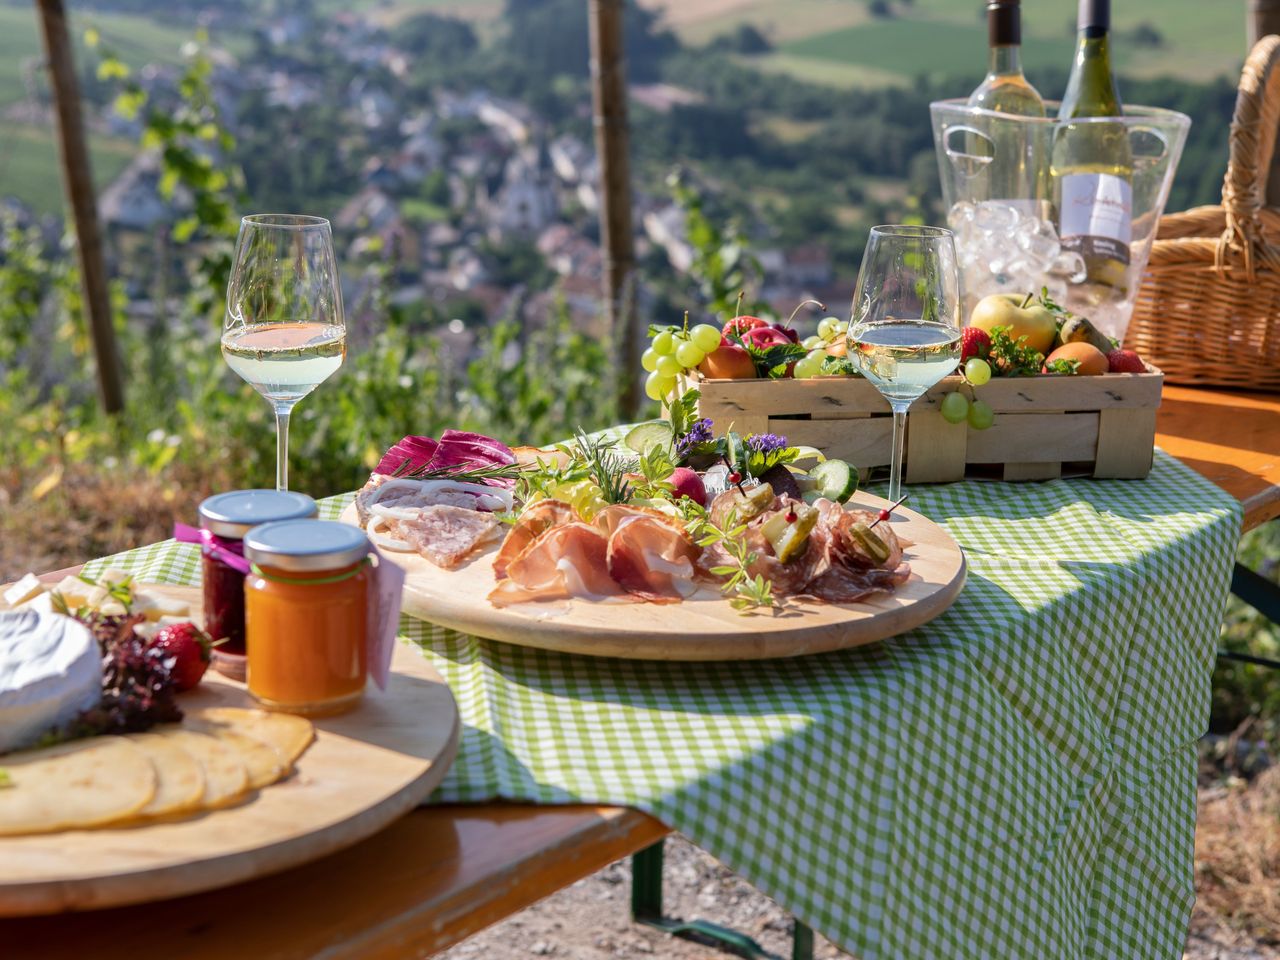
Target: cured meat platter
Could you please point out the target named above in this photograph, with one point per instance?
(702, 627)
(363, 769)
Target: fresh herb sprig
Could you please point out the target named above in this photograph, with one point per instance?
(772, 361)
(745, 592)
(495, 471)
(1013, 358)
(655, 467)
(608, 468)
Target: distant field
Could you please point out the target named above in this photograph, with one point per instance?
(833, 41)
(135, 39)
(29, 165)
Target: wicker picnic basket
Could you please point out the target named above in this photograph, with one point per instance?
(1208, 312)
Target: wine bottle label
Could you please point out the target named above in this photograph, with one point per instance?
(1097, 215)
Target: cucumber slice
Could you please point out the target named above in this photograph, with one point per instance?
(837, 480)
(649, 434)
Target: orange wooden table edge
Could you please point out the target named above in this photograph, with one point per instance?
(426, 882)
(1231, 438)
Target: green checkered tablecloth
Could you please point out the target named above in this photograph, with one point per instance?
(1013, 780)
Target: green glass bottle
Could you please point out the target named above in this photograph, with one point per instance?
(1092, 164)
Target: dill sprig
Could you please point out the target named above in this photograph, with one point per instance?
(606, 466)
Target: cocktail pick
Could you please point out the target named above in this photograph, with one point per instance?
(887, 512)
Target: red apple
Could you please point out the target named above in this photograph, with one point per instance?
(687, 483)
(728, 362)
(766, 337)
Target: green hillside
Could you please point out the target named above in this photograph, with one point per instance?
(836, 42)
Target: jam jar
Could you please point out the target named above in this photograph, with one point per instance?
(224, 520)
(306, 615)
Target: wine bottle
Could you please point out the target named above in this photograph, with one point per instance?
(1092, 163)
(1006, 90)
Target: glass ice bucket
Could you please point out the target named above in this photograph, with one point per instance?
(1002, 194)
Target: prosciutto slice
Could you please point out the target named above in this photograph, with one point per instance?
(652, 558)
(536, 520)
(444, 534)
(564, 562)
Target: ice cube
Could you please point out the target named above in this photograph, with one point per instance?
(961, 216)
(1039, 249)
(994, 217)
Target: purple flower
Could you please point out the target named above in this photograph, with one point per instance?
(766, 443)
(698, 434)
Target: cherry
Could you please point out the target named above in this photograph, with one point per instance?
(735, 477)
(791, 516)
(884, 515)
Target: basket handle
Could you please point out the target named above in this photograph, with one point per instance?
(1254, 128)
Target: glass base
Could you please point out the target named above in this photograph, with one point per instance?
(321, 709)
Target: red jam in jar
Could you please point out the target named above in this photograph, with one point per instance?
(224, 521)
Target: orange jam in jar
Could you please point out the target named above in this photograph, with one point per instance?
(306, 615)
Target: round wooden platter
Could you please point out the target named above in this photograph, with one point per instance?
(364, 769)
(704, 627)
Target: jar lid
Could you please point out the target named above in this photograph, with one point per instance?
(236, 513)
(306, 545)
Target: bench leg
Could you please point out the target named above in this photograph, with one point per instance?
(646, 908)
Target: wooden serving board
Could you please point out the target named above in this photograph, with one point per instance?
(704, 627)
(365, 768)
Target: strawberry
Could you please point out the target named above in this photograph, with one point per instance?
(189, 646)
(1125, 361)
(742, 325)
(974, 343)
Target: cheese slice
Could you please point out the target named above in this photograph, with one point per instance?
(22, 591)
(157, 608)
(73, 590)
(50, 670)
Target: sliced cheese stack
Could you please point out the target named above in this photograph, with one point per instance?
(50, 670)
(213, 759)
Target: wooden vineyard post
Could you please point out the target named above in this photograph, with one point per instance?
(609, 107)
(79, 185)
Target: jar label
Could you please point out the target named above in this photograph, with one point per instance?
(1097, 215)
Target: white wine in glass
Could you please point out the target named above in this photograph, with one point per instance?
(904, 332)
(284, 332)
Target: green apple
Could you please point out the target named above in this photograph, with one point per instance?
(1025, 316)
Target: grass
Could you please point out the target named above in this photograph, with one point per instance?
(833, 42)
(29, 166)
(135, 39)
(908, 48)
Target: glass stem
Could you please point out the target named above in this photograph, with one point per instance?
(899, 438)
(282, 445)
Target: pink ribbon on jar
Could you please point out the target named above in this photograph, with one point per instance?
(230, 552)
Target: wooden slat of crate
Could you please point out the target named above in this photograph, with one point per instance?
(864, 443)
(1124, 447)
(935, 450)
(1037, 438)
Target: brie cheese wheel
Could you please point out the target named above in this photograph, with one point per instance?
(50, 670)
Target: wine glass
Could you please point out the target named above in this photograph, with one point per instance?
(284, 332)
(904, 332)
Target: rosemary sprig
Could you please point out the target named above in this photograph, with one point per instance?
(606, 466)
(494, 471)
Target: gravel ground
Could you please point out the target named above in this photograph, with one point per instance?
(591, 920)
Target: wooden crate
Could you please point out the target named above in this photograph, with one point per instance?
(1045, 427)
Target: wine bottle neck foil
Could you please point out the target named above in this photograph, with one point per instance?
(1095, 17)
(1004, 23)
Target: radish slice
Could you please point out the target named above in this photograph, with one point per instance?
(384, 541)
